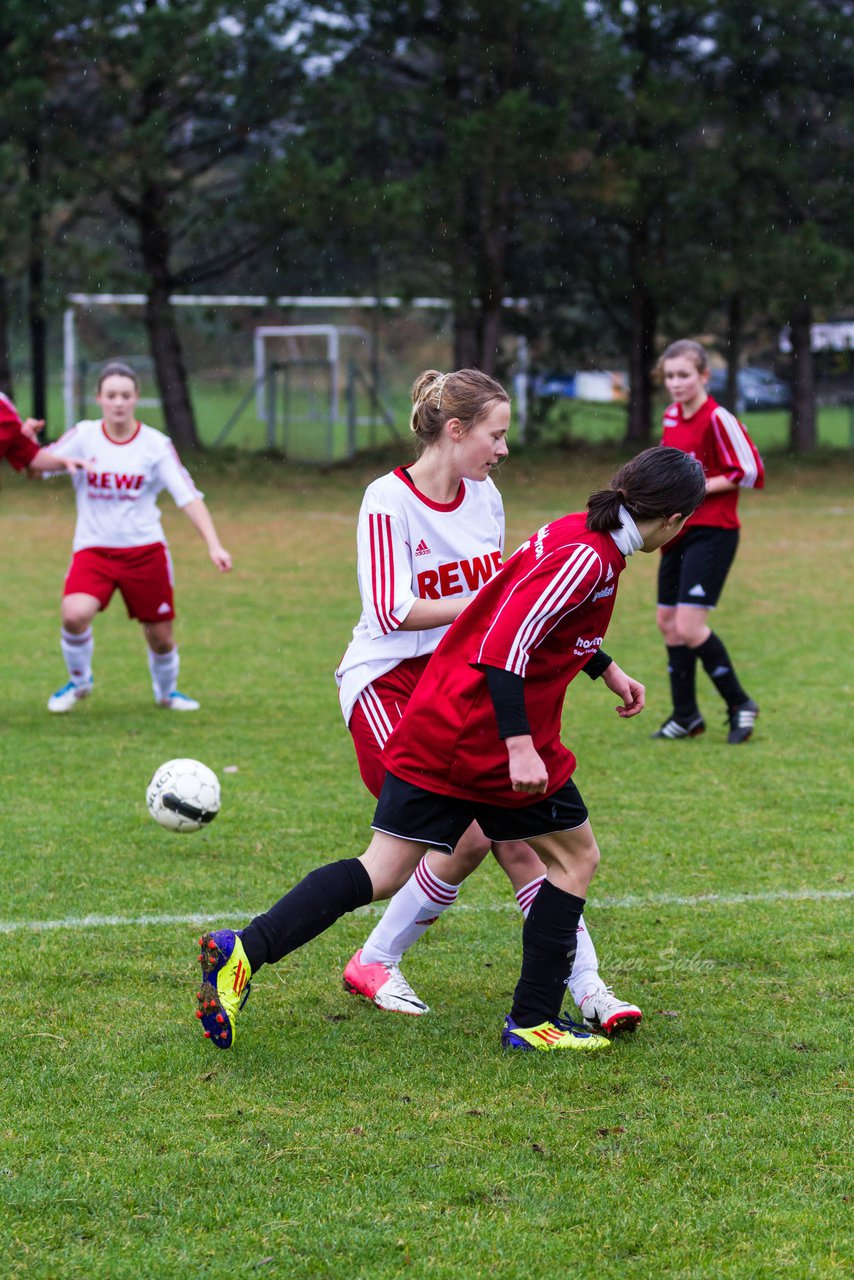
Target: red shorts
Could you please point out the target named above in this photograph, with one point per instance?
(143, 575)
(377, 711)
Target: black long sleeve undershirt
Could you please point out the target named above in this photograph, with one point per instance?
(507, 691)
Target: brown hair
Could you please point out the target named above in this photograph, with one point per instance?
(437, 397)
(682, 347)
(657, 483)
(119, 369)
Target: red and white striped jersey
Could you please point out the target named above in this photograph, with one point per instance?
(117, 493)
(542, 617)
(14, 445)
(410, 548)
(718, 441)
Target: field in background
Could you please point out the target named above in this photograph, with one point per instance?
(336, 1142)
(564, 422)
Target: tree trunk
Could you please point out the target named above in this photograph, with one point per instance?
(641, 359)
(802, 427)
(163, 338)
(733, 354)
(5, 354)
(37, 322)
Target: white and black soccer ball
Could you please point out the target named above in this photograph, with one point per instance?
(183, 795)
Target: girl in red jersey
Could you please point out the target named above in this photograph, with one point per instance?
(479, 741)
(429, 535)
(18, 443)
(119, 542)
(694, 567)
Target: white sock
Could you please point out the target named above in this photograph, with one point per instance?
(164, 673)
(585, 968)
(77, 652)
(409, 914)
(526, 895)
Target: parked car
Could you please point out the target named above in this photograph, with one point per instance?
(757, 389)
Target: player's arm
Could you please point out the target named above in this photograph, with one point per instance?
(614, 678)
(424, 614)
(719, 484)
(46, 460)
(507, 691)
(200, 518)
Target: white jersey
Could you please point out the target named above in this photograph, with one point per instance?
(411, 548)
(117, 493)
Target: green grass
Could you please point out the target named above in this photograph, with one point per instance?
(565, 422)
(332, 1141)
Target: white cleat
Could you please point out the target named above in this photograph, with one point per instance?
(384, 985)
(179, 702)
(603, 1012)
(66, 698)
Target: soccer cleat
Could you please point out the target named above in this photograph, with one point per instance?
(179, 702)
(225, 984)
(69, 695)
(603, 1013)
(676, 728)
(560, 1034)
(384, 985)
(741, 721)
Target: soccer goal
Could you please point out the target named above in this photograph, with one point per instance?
(317, 388)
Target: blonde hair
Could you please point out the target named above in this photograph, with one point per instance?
(467, 394)
(682, 347)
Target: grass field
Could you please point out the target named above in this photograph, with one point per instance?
(336, 1142)
(565, 421)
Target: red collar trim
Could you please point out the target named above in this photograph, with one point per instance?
(112, 440)
(403, 474)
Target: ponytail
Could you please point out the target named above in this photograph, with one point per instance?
(656, 484)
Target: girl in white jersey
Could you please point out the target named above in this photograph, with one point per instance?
(429, 536)
(119, 542)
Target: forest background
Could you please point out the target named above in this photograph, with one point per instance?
(635, 171)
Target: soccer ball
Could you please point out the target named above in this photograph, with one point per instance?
(183, 795)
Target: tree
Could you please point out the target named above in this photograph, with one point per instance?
(175, 99)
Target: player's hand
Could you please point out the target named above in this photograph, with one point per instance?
(220, 558)
(73, 465)
(527, 771)
(631, 691)
(31, 427)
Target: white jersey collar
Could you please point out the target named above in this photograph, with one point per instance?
(627, 537)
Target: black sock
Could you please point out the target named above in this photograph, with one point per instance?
(311, 907)
(548, 950)
(715, 659)
(682, 668)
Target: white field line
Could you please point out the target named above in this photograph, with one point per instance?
(595, 904)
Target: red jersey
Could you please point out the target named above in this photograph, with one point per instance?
(720, 443)
(542, 617)
(14, 445)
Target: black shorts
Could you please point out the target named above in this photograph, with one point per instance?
(694, 571)
(414, 814)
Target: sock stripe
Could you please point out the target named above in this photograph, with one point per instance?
(434, 889)
(528, 893)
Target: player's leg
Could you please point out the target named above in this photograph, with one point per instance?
(559, 830)
(406, 823)
(707, 564)
(229, 958)
(684, 720)
(599, 1007)
(374, 971)
(84, 594)
(146, 583)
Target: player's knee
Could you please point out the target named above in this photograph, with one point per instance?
(469, 853)
(75, 616)
(518, 860)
